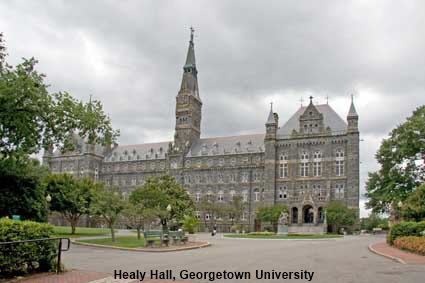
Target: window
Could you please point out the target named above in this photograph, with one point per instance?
(221, 162)
(220, 178)
(82, 171)
(199, 163)
(133, 181)
(220, 196)
(232, 194)
(233, 161)
(256, 195)
(283, 166)
(304, 164)
(339, 162)
(96, 174)
(207, 216)
(197, 215)
(232, 177)
(317, 189)
(188, 163)
(198, 196)
(283, 193)
(209, 196)
(339, 191)
(245, 195)
(245, 177)
(256, 176)
(317, 164)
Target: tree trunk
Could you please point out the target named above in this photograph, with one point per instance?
(111, 226)
(138, 233)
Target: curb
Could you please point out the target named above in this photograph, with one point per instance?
(277, 239)
(204, 245)
(370, 247)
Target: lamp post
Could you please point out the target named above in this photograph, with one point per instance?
(48, 200)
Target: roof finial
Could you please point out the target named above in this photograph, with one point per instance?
(327, 99)
(271, 106)
(301, 101)
(192, 30)
(311, 99)
(352, 98)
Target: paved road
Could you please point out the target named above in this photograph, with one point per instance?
(343, 260)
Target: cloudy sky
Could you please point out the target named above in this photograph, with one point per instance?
(129, 55)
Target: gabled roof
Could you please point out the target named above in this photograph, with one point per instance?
(227, 145)
(330, 119)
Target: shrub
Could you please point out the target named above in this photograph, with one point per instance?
(235, 228)
(261, 233)
(411, 243)
(18, 259)
(405, 229)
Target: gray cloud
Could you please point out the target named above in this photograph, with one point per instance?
(129, 54)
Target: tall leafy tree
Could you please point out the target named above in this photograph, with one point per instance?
(158, 193)
(31, 118)
(338, 215)
(402, 169)
(236, 209)
(413, 207)
(271, 214)
(70, 196)
(21, 189)
(136, 216)
(109, 205)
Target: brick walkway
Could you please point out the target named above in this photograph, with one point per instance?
(404, 257)
(79, 276)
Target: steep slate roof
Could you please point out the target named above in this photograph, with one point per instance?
(228, 145)
(352, 112)
(330, 119)
(146, 151)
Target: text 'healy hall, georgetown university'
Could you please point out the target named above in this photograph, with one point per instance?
(311, 159)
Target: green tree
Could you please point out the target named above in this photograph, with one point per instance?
(236, 208)
(400, 172)
(373, 221)
(109, 205)
(137, 216)
(338, 215)
(271, 214)
(190, 223)
(165, 197)
(71, 197)
(215, 210)
(21, 189)
(31, 118)
(413, 207)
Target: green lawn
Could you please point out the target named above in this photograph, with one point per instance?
(288, 237)
(65, 232)
(122, 242)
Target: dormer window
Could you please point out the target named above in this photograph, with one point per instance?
(310, 113)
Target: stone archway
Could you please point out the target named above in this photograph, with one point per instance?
(294, 218)
(308, 214)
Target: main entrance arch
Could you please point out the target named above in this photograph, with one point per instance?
(308, 214)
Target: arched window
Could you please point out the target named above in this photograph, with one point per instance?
(339, 191)
(220, 196)
(198, 196)
(283, 193)
(232, 194)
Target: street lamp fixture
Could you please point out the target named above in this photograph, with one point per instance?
(169, 208)
(48, 198)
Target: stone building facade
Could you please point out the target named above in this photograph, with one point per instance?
(311, 159)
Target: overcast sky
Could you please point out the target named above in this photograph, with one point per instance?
(130, 54)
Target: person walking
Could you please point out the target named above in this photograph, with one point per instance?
(214, 231)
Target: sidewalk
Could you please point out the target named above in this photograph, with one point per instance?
(79, 276)
(393, 253)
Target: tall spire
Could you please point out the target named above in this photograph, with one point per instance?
(270, 119)
(189, 83)
(352, 112)
(190, 58)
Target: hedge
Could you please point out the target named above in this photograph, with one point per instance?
(411, 243)
(405, 229)
(22, 258)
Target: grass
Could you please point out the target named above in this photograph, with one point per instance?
(122, 242)
(288, 237)
(65, 232)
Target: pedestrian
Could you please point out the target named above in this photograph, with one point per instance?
(214, 230)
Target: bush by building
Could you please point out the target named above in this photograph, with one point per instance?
(405, 229)
(411, 243)
(23, 258)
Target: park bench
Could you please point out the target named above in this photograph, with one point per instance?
(376, 230)
(178, 237)
(152, 236)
